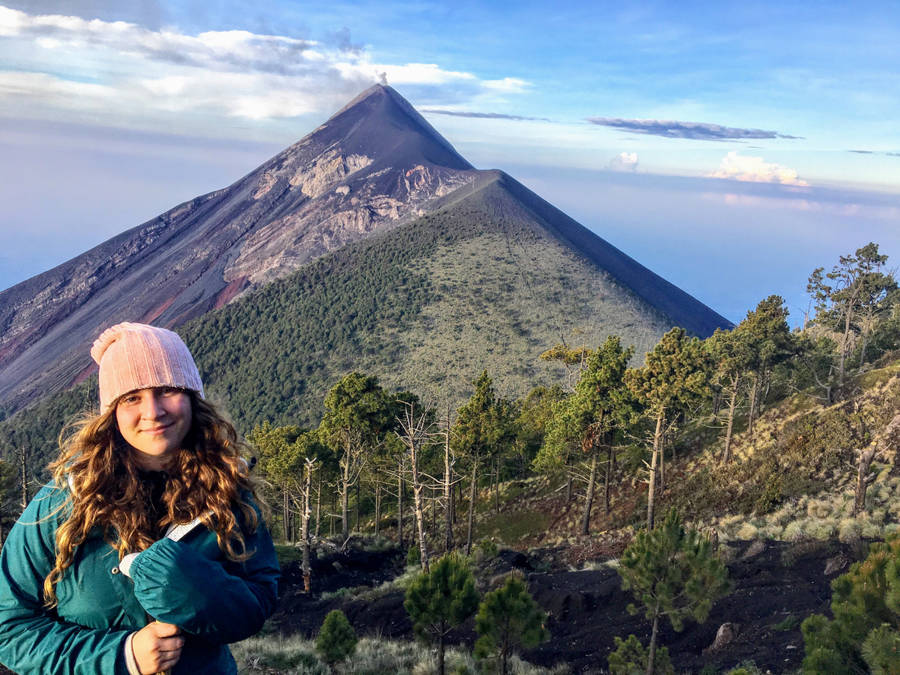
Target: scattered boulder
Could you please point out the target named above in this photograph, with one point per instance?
(754, 549)
(837, 564)
(727, 632)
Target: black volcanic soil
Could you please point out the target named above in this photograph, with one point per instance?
(772, 582)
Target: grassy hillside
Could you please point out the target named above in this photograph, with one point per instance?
(791, 480)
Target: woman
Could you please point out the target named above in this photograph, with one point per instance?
(146, 553)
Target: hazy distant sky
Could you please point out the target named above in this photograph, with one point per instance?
(731, 147)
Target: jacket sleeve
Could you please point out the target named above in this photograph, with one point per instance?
(220, 601)
(32, 638)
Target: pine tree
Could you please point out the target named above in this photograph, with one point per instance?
(856, 289)
(337, 639)
(508, 617)
(441, 599)
(358, 414)
(731, 353)
(483, 425)
(673, 573)
(600, 406)
(768, 337)
(674, 375)
(865, 631)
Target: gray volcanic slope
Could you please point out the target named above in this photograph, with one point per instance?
(372, 166)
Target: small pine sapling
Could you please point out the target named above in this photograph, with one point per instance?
(630, 658)
(507, 618)
(673, 573)
(337, 639)
(441, 599)
(863, 636)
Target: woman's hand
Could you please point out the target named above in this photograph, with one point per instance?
(157, 647)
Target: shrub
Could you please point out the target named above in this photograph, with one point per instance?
(747, 531)
(630, 658)
(337, 639)
(849, 531)
(865, 604)
(412, 556)
(793, 532)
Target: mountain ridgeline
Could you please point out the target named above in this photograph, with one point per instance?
(368, 245)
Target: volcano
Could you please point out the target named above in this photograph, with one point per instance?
(371, 171)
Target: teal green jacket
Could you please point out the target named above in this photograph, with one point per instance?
(189, 583)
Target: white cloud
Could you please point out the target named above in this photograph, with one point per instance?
(624, 161)
(508, 85)
(124, 70)
(755, 170)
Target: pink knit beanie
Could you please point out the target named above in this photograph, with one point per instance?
(137, 356)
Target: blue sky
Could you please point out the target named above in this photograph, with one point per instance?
(730, 147)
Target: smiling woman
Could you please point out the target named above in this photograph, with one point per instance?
(154, 422)
(152, 506)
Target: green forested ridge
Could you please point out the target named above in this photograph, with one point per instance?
(477, 284)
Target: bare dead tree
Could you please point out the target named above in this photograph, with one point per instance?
(448, 482)
(309, 466)
(414, 433)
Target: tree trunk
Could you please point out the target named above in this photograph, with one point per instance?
(418, 502)
(651, 490)
(661, 485)
(589, 496)
(331, 515)
(441, 652)
(345, 500)
(568, 488)
(448, 492)
(751, 418)
(433, 503)
(455, 497)
(286, 515)
(356, 524)
(732, 403)
(471, 506)
(608, 479)
(651, 656)
(497, 486)
(304, 527)
(845, 343)
(318, 507)
(377, 505)
(400, 504)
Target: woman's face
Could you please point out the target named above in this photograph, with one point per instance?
(154, 422)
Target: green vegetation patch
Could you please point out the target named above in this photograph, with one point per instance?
(509, 527)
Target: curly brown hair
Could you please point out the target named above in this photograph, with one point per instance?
(207, 478)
